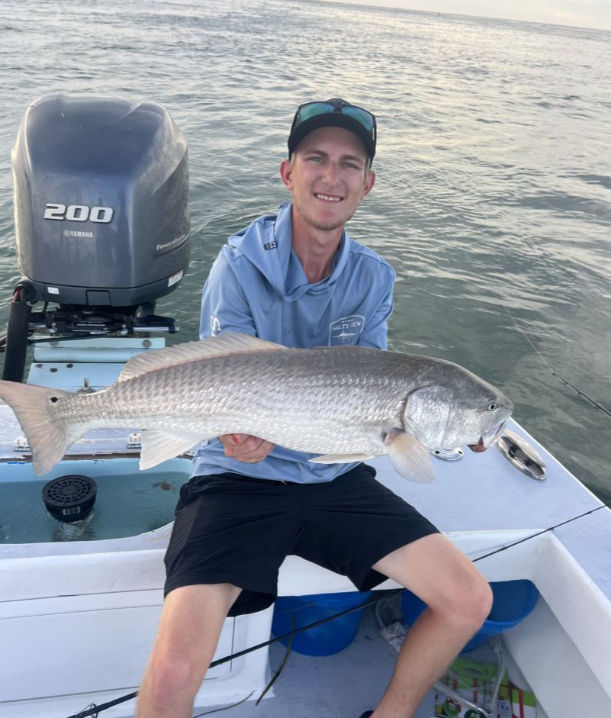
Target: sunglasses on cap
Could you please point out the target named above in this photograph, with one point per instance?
(312, 109)
(318, 114)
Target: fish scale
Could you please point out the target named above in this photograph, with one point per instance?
(271, 396)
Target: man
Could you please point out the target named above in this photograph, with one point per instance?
(298, 279)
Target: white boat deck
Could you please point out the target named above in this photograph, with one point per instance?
(111, 591)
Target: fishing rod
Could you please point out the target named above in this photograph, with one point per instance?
(94, 710)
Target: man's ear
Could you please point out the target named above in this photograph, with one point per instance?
(286, 172)
(369, 182)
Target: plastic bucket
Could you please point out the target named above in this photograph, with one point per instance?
(513, 601)
(331, 637)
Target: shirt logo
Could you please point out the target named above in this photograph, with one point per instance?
(346, 330)
(215, 325)
(270, 245)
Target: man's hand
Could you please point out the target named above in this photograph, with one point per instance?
(244, 447)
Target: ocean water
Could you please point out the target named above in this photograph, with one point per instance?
(493, 197)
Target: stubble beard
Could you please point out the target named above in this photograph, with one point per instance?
(314, 221)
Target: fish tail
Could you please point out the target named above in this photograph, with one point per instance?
(33, 406)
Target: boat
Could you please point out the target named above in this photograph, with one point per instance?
(102, 228)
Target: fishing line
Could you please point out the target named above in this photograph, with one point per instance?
(93, 710)
(581, 393)
(539, 533)
(555, 374)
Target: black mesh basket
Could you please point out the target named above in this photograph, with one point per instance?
(70, 498)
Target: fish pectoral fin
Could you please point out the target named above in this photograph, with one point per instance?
(410, 459)
(340, 458)
(159, 446)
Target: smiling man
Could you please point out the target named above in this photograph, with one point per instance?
(298, 279)
(328, 177)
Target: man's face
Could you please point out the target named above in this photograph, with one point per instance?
(328, 177)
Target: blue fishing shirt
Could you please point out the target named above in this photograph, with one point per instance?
(257, 286)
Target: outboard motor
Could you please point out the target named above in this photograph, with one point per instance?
(101, 216)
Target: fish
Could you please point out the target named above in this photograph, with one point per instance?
(339, 404)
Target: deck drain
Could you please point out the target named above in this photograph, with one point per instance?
(70, 498)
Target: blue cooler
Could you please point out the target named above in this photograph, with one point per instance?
(293, 612)
(513, 601)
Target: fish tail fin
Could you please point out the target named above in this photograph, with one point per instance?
(33, 406)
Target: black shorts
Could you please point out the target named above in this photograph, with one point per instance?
(234, 529)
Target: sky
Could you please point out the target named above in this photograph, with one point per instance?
(581, 13)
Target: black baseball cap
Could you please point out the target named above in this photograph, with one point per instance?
(334, 113)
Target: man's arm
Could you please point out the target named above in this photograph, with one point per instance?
(224, 304)
(225, 309)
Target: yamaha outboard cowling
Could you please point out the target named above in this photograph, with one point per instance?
(101, 201)
(101, 219)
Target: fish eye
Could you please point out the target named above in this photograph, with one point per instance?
(492, 406)
(53, 399)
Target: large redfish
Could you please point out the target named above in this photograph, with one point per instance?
(344, 403)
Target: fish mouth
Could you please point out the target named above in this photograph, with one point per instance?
(487, 439)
